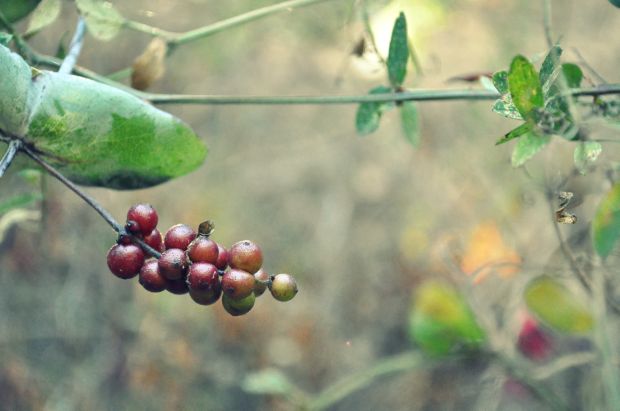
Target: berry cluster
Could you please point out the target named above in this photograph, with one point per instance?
(190, 262)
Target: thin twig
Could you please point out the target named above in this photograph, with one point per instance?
(74, 48)
(547, 22)
(9, 155)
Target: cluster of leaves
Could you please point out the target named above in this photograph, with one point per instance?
(369, 114)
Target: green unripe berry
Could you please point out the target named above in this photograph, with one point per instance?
(238, 307)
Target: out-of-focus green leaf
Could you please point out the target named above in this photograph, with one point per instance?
(102, 18)
(557, 307)
(399, 52)
(500, 81)
(409, 121)
(528, 145)
(550, 65)
(5, 39)
(19, 201)
(441, 322)
(368, 115)
(615, 3)
(269, 381)
(524, 86)
(573, 75)
(14, 10)
(586, 153)
(45, 14)
(94, 134)
(516, 132)
(606, 223)
(504, 107)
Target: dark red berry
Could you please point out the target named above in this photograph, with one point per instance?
(150, 277)
(283, 287)
(261, 277)
(125, 261)
(178, 287)
(155, 240)
(124, 239)
(533, 342)
(203, 250)
(246, 256)
(179, 236)
(238, 307)
(145, 216)
(133, 228)
(173, 264)
(222, 258)
(204, 283)
(237, 284)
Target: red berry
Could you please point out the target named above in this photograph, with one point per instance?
(222, 258)
(246, 256)
(261, 276)
(178, 287)
(533, 342)
(145, 216)
(179, 236)
(204, 283)
(133, 228)
(237, 284)
(173, 264)
(151, 279)
(238, 307)
(283, 287)
(125, 261)
(155, 240)
(203, 250)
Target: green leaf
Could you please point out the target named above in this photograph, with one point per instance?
(19, 201)
(557, 307)
(573, 75)
(441, 322)
(93, 133)
(409, 121)
(45, 14)
(500, 81)
(524, 86)
(515, 133)
(550, 65)
(368, 115)
(399, 52)
(606, 223)
(528, 145)
(5, 38)
(102, 18)
(504, 107)
(615, 3)
(585, 154)
(269, 381)
(14, 10)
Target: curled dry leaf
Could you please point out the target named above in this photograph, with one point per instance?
(149, 66)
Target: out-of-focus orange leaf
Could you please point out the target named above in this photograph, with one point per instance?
(486, 253)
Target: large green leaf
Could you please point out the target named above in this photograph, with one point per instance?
(557, 307)
(524, 86)
(606, 223)
(409, 121)
(102, 18)
(399, 52)
(14, 10)
(93, 133)
(368, 115)
(528, 145)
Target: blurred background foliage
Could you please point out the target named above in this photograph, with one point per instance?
(360, 222)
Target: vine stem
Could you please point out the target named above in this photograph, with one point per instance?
(74, 48)
(9, 155)
(105, 214)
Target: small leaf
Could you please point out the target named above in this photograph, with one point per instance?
(573, 75)
(516, 132)
(19, 201)
(500, 81)
(14, 10)
(585, 154)
(505, 107)
(399, 52)
(606, 223)
(409, 121)
(5, 38)
(269, 381)
(524, 86)
(549, 65)
(528, 145)
(45, 14)
(368, 115)
(149, 66)
(557, 307)
(102, 18)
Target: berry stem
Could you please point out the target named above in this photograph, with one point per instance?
(9, 155)
(105, 214)
(75, 48)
